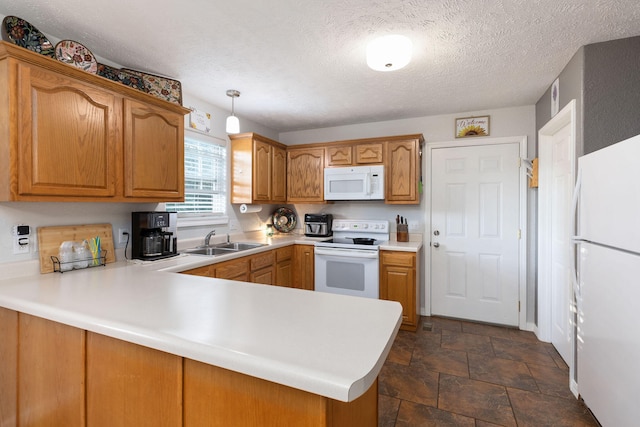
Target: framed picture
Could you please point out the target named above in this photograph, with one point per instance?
(472, 126)
(200, 121)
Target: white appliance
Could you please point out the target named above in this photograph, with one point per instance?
(348, 264)
(354, 183)
(608, 285)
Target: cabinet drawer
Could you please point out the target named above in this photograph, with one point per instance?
(261, 260)
(284, 253)
(405, 259)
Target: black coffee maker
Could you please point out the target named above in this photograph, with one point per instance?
(153, 235)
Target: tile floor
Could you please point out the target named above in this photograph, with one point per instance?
(469, 374)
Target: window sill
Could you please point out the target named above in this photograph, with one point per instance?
(200, 221)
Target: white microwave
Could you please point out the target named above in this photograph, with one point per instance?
(354, 183)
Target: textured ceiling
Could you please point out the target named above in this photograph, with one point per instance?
(300, 64)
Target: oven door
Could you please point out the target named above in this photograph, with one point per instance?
(347, 271)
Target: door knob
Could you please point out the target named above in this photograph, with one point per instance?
(436, 233)
(436, 245)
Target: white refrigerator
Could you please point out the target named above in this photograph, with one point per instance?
(608, 285)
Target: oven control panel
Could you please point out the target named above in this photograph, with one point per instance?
(363, 226)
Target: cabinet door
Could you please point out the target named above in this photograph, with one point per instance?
(284, 266)
(154, 152)
(69, 137)
(305, 175)
(263, 276)
(398, 283)
(403, 164)
(339, 156)
(237, 269)
(304, 267)
(50, 391)
(367, 154)
(279, 175)
(200, 271)
(262, 167)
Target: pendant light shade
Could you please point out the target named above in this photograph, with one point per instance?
(389, 53)
(233, 124)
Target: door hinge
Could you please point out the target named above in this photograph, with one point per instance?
(519, 234)
(518, 306)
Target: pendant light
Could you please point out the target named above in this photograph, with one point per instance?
(389, 53)
(233, 124)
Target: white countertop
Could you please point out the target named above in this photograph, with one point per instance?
(327, 344)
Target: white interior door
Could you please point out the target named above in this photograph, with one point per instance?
(475, 212)
(555, 191)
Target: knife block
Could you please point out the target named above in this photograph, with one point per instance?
(402, 233)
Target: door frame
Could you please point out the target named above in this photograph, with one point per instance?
(566, 116)
(523, 185)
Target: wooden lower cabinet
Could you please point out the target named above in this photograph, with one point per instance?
(65, 376)
(284, 267)
(218, 397)
(131, 385)
(304, 267)
(51, 373)
(398, 282)
(236, 269)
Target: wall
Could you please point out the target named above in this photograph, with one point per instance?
(514, 121)
(604, 80)
(611, 92)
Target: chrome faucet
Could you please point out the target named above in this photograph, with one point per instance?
(208, 237)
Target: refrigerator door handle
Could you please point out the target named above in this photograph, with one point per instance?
(576, 238)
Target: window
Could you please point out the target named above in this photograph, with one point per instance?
(205, 179)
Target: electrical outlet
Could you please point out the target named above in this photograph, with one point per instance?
(21, 239)
(122, 236)
(414, 226)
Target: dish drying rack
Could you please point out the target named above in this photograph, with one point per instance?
(61, 267)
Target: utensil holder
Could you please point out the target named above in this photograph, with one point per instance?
(402, 233)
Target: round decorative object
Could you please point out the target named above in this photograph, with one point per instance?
(73, 53)
(284, 220)
(21, 33)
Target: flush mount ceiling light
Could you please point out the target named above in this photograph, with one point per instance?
(233, 124)
(389, 53)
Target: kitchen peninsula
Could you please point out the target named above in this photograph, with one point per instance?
(131, 345)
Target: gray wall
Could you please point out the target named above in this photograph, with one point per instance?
(571, 84)
(611, 92)
(604, 79)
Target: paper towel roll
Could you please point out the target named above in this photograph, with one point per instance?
(244, 208)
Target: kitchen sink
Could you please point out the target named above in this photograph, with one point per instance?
(238, 246)
(209, 250)
(223, 248)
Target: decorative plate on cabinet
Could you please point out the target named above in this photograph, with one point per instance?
(120, 76)
(284, 220)
(21, 33)
(73, 53)
(160, 87)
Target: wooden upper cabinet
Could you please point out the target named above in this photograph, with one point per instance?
(154, 152)
(403, 171)
(258, 169)
(339, 156)
(367, 154)
(354, 155)
(69, 135)
(305, 175)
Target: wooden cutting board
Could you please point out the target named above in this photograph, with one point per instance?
(50, 238)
